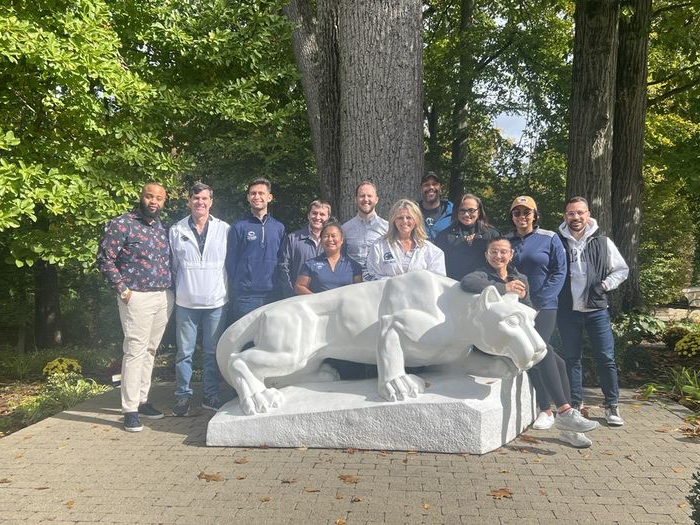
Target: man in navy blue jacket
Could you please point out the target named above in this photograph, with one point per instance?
(254, 244)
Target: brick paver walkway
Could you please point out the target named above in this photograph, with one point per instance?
(80, 466)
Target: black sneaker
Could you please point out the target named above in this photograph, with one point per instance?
(182, 407)
(132, 423)
(147, 411)
(212, 403)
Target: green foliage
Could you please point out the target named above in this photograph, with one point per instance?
(61, 391)
(634, 327)
(62, 365)
(683, 378)
(694, 499)
(30, 366)
(689, 345)
(673, 334)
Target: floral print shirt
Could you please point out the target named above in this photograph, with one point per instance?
(135, 254)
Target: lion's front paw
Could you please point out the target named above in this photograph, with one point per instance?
(261, 402)
(402, 387)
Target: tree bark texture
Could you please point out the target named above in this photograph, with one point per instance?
(592, 106)
(381, 99)
(47, 309)
(628, 140)
(315, 43)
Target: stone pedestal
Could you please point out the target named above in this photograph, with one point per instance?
(456, 414)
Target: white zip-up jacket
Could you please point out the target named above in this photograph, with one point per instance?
(200, 279)
(384, 260)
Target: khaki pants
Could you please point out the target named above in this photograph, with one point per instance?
(143, 322)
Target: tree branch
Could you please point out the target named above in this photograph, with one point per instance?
(672, 93)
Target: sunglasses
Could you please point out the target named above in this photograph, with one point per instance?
(518, 213)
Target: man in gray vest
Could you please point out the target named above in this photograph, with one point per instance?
(595, 267)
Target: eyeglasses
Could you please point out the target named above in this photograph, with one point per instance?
(518, 213)
(496, 253)
(576, 213)
(468, 211)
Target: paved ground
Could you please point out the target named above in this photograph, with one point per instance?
(80, 466)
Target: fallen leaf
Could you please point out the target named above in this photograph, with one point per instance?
(586, 456)
(5, 480)
(338, 495)
(311, 489)
(635, 408)
(350, 450)
(302, 448)
(608, 453)
(41, 488)
(18, 456)
(426, 506)
(341, 521)
(106, 430)
(70, 503)
(501, 493)
(95, 426)
(348, 478)
(537, 460)
(678, 470)
(682, 505)
(210, 477)
(663, 430)
(384, 453)
(265, 499)
(30, 436)
(289, 480)
(239, 477)
(241, 461)
(490, 382)
(411, 452)
(543, 492)
(504, 471)
(529, 439)
(356, 499)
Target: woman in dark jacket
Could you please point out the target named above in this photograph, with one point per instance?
(464, 241)
(499, 272)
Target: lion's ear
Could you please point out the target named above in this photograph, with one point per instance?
(489, 296)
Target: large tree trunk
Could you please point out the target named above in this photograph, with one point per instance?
(364, 88)
(381, 98)
(592, 106)
(628, 141)
(47, 309)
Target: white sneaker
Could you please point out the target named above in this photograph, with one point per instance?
(575, 439)
(612, 416)
(573, 421)
(543, 421)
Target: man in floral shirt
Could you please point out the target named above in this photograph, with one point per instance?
(134, 258)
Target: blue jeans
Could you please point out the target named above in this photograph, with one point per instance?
(187, 320)
(244, 304)
(597, 325)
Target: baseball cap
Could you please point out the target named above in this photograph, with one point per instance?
(430, 175)
(524, 200)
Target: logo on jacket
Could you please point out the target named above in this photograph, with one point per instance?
(388, 257)
(319, 265)
(251, 236)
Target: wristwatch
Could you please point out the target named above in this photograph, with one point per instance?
(126, 293)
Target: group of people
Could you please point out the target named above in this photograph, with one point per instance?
(564, 275)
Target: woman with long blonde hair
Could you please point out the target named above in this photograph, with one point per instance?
(405, 247)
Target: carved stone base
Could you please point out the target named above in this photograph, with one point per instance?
(456, 414)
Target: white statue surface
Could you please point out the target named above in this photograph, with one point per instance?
(417, 319)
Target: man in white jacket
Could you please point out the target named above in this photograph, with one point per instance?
(198, 246)
(595, 267)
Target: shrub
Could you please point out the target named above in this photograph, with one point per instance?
(689, 346)
(634, 327)
(673, 334)
(694, 499)
(62, 365)
(61, 391)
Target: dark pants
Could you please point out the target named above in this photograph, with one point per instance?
(597, 325)
(549, 375)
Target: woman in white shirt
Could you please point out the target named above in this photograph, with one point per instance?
(405, 247)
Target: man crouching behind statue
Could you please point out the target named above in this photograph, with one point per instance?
(500, 273)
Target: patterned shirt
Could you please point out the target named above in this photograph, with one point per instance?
(134, 254)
